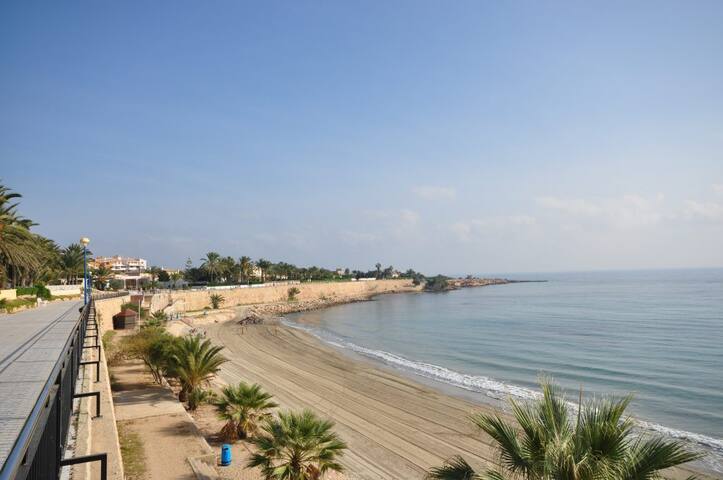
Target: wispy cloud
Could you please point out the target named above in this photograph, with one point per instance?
(627, 211)
(430, 192)
(718, 188)
(472, 229)
(355, 238)
(709, 211)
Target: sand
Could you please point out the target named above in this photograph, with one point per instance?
(396, 428)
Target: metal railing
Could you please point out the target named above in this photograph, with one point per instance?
(39, 449)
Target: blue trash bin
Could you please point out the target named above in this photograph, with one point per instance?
(225, 455)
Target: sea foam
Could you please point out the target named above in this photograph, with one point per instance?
(500, 390)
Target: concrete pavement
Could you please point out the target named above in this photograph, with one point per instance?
(31, 342)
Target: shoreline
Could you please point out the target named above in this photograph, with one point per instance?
(396, 426)
(338, 357)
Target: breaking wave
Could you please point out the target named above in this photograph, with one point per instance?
(499, 390)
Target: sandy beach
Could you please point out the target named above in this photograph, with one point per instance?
(396, 428)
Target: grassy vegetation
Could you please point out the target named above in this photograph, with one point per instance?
(113, 352)
(11, 305)
(132, 451)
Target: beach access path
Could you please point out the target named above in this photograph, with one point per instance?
(396, 428)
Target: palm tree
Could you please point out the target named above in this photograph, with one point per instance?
(101, 275)
(211, 264)
(175, 277)
(243, 406)
(216, 300)
(245, 266)
(549, 443)
(379, 269)
(229, 269)
(263, 265)
(16, 241)
(157, 319)
(194, 362)
(297, 446)
(71, 262)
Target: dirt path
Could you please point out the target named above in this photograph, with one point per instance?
(165, 436)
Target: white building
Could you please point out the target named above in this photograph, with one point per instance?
(119, 264)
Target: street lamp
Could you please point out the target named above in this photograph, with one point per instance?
(86, 295)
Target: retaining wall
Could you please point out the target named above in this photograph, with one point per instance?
(191, 300)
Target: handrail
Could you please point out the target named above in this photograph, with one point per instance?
(37, 422)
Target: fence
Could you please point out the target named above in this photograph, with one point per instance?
(39, 449)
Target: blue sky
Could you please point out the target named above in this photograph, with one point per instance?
(446, 136)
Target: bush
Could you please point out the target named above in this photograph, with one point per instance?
(293, 292)
(42, 292)
(155, 347)
(217, 300)
(157, 319)
(22, 291)
(437, 284)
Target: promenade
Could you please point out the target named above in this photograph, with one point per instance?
(30, 343)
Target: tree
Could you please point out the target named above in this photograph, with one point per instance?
(263, 265)
(101, 276)
(71, 262)
(378, 266)
(175, 277)
(297, 446)
(549, 443)
(245, 267)
(16, 241)
(155, 347)
(194, 362)
(229, 269)
(243, 407)
(163, 276)
(211, 264)
(155, 273)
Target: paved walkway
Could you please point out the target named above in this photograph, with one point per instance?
(31, 342)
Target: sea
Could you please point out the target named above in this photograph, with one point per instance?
(657, 334)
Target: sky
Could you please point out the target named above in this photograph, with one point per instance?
(449, 137)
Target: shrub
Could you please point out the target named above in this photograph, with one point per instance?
(23, 291)
(157, 319)
(437, 284)
(42, 292)
(216, 300)
(155, 347)
(243, 407)
(293, 292)
(200, 396)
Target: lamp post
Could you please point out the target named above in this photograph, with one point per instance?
(86, 295)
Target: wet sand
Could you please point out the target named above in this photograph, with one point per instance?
(396, 428)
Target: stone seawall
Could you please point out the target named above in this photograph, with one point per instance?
(192, 300)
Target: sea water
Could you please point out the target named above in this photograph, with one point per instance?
(657, 334)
